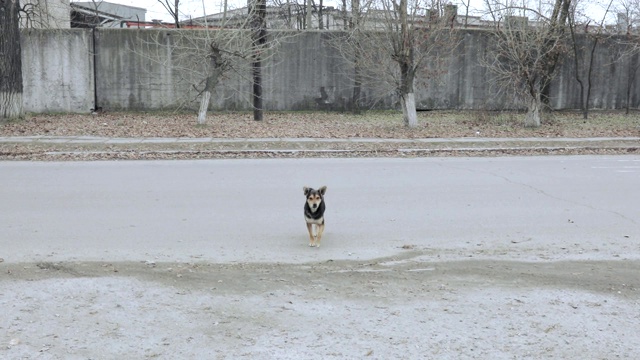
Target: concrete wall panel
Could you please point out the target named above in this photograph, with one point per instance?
(57, 70)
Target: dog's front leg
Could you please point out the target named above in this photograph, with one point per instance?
(319, 236)
(311, 237)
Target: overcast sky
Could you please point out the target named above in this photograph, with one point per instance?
(194, 8)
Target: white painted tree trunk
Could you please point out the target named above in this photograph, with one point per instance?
(204, 105)
(532, 119)
(409, 110)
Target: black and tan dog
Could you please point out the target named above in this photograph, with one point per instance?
(314, 213)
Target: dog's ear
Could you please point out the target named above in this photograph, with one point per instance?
(306, 190)
(323, 190)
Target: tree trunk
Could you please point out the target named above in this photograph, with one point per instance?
(176, 13)
(532, 119)
(354, 25)
(204, 105)
(585, 113)
(632, 69)
(407, 96)
(558, 23)
(404, 57)
(320, 19)
(10, 61)
(576, 60)
(257, 90)
(307, 22)
(357, 81)
(217, 67)
(259, 34)
(409, 110)
(357, 89)
(345, 23)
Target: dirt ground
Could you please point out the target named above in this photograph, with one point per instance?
(323, 135)
(403, 307)
(326, 125)
(409, 306)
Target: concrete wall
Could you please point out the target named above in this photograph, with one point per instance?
(134, 70)
(612, 74)
(463, 82)
(467, 84)
(57, 70)
(154, 69)
(307, 74)
(139, 70)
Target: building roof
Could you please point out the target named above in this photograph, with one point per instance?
(103, 14)
(97, 4)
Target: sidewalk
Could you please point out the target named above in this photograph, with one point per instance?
(155, 140)
(88, 147)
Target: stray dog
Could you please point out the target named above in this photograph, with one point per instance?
(314, 213)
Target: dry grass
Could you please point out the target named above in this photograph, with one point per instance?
(386, 124)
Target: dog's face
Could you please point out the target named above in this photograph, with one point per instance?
(314, 197)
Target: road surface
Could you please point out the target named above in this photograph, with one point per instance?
(251, 210)
(438, 258)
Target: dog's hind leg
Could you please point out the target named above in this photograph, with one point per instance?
(311, 237)
(319, 236)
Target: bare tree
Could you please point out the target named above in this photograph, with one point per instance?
(288, 13)
(173, 7)
(217, 66)
(231, 47)
(44, 14)
(403, 54)
(394, 42)
(467, 6)
(524, 55)
(10, 61)
(584, 68)
(298, 14)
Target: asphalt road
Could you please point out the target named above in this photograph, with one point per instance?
(251, 210)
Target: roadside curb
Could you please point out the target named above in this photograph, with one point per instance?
(47, 148)
(156, 140)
